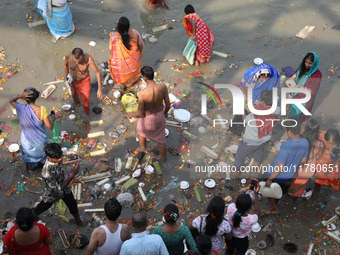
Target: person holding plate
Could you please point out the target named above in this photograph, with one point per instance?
(307, 76)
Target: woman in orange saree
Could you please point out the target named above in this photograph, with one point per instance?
(199, 32)
(327, 172)
(126, 46)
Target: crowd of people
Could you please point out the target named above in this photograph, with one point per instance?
(311, 156)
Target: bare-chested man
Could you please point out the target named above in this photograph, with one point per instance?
(76, 67)
(151, 112)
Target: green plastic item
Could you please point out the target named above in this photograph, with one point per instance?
(158, 168)
(197, 194)
(15, 122)
(55, 132)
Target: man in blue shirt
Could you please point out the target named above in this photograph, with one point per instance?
(292, 153)
(141, 243)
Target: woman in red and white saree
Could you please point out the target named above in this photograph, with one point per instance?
(199, 32)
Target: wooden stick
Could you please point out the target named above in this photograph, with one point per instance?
(53, 82)
(333, 236)
(84, 205)
(96, 177)
(79, 191)
(36, 23)
(142, 194)
(335, 217)
(103, 181)
(168, 60)
(94, 210)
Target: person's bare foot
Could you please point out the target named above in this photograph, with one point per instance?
(271, 211)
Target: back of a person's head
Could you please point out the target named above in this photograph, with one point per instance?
(189, 9)
(171, 213)
(139, 220)
(77, 53)
(215, 215)
(204, 244)
(53, 150)
(112, 209)
(34, 95)
(147, 72)
(267, 97)
(311, 131)
(122, 28)
(243, 204)
(332, 135)
(294, 130)
(25, 219)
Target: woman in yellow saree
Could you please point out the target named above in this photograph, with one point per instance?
(126, 46)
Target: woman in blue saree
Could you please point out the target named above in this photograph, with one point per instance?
(33, 119)
(260, 78)
(58, 17)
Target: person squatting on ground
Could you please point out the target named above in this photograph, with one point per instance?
(241, 222)
(77, 74)
(56, 185)
(151, 112)
(108, 238)
(33, 119)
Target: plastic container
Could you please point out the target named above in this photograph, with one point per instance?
(55, 132)
(273, 191)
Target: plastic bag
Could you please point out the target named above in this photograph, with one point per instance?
(130, 102)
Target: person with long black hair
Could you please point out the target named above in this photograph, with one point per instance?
(27, 237)
(213, 224)
(126, 46)
(241, 221)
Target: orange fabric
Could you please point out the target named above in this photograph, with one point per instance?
(332, 176)
(83, 90)
(298, 185)
(205, 39)
(154, 3)
(124, 64)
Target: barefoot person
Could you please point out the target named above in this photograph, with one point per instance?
(151, 112)
(56, 185)
(77, 74)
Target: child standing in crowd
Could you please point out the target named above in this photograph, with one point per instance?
(241, 221)
(56, 185)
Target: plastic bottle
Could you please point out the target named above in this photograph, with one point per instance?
(55, 132)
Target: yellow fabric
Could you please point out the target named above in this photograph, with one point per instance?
(43, 113)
